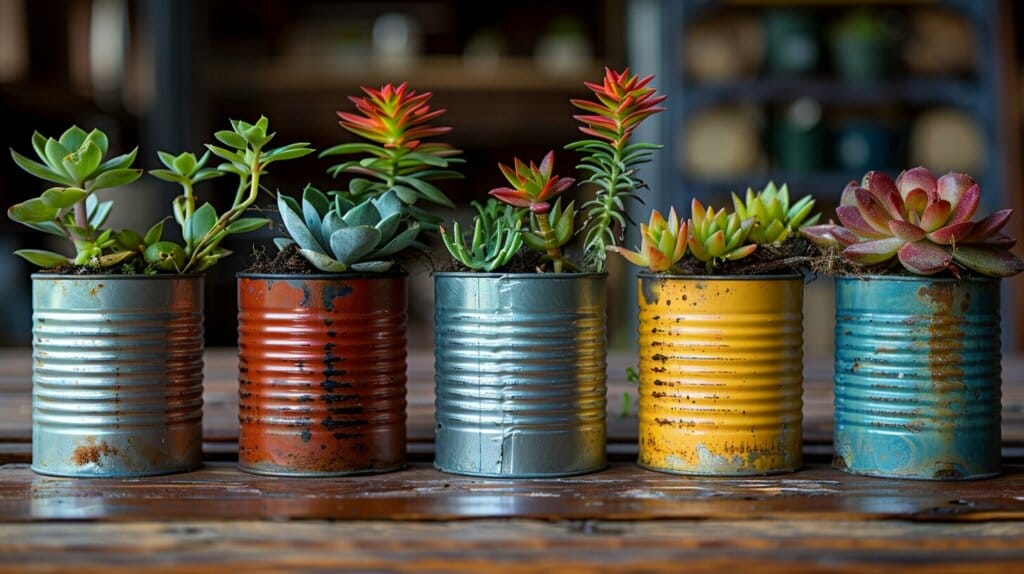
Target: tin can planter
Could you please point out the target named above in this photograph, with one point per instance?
(917, 377)
(322, 381)
(117, 378)
(721, 374)
(520, 365)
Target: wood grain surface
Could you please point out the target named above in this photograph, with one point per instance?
(622, 519)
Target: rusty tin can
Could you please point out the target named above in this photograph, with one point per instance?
(520, 365)
(322, 374)
(721, 374)
(117, 377)
(917, 377)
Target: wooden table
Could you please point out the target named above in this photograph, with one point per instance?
(622, 519)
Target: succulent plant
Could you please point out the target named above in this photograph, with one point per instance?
(923, 221)
(75, 162)
(339, 235)
(496, 237)
(717, 236)
(395, 120)
(662, 243)
(774, 218)
(201, 228)
(623, 101)
(534, 187)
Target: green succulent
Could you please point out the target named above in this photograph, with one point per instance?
(339, 235)
(496, 239)
(75, 162)
(718, 236)
(774, 219)
(550, 231)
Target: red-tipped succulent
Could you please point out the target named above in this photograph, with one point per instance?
(623, 101)
(923, 221)
(396, 117)
(533, 186)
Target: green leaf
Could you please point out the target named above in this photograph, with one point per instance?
(47, 227)
(185, 163)
(62, 197)
(246, 224)
(281, 154)
(359, 186)
(168, 175)
(534, 241)
(205, 174)
(362, 214)
(350, 244)
(427, 190)
(427, 159)
(112, 259)
(197, 226)
(55, 154)
(317, 199)
(44, 259)
(119, 162)
(167, 159)
(154, 234)
(373, 266)
(389, 225)
(32, 211)
(282, 243)
(290, 202)
(225, 154)
(81, 164)
(407, 195)
(400, 241)
(100, 139)
(323, 262)
(130, 239)
(39, 145)
(73, 138)
(296, 226)
(114, 178)
(231, 139)
(388, 204)
(350, 148)
(39, 170)
(99, 216)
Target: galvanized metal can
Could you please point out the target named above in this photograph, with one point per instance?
(520, 365)
(322, 374)
(117, 378)
(721, 374)
(917, 377)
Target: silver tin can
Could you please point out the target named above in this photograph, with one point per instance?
(117, 379)
(520, 365)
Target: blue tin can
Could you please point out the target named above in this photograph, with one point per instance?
(520, 374)
(917, 377)
(117, 377)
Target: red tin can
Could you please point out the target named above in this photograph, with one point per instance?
(322, 374)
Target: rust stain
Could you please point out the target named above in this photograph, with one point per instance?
(90, 452)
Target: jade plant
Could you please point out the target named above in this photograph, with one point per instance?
(339, 235)
(495, 238)
(395, 121)
(70, 210)
(610, 161)
(923, 222)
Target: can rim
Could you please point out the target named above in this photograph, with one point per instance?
(917, 279)
(116, 277)
(779, 277)
(536, 276)
(322, 276)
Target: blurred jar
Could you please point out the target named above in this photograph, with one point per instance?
(723, 47)
(564, 48)
(721, 142)
(792, 44)
(947, 139)
(863, 145)
(798, 140)
(862, 47)
(939, 42)
(397, 40)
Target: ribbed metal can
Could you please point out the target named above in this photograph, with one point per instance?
(721, 374)
(322, 374)
(117, 378)
(917, 377)
(520, 364)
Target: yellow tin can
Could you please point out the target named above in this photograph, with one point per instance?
(721, 374)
